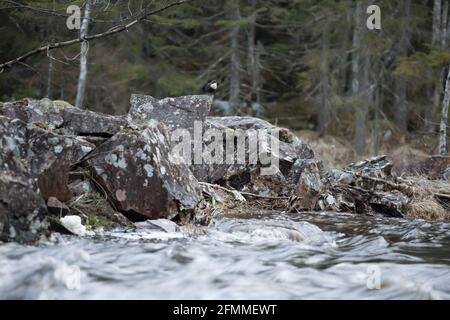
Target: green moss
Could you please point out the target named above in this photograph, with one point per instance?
(41, 125)
(130, 131)
(286, 136)
(60, 104)
(96, 221)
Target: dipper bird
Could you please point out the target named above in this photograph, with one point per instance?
(210, 87)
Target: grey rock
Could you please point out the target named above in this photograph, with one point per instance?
(175, 113)
(140, 175)
(61, 117)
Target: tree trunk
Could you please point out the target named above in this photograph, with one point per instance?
(252, 66)
(49, 78)
(235, 85)
(360, 73)
(401, 106)
(324, 107)
(444, 118)
(444, 26)
(81, 88)
(437, 9)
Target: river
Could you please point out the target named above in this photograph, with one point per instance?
(270, 255)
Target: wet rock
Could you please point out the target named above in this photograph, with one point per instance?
(158, 224)
(141, 176)
(55, 206)
(175, 113)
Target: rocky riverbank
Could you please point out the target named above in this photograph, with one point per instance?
(58, 161)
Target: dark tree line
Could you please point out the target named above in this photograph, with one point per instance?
(304, 64)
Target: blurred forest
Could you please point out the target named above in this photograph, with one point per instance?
(305, 64)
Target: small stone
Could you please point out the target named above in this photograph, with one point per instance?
(55, 206)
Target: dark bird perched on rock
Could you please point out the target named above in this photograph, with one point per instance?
(210, 87)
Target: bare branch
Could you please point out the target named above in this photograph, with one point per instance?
(107, 33)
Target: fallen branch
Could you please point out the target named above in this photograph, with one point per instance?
(110, 32)
(248, 194)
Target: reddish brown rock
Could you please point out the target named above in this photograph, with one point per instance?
(139, 174)
(55, 206)
(309, 185)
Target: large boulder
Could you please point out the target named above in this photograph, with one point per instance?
(142, 178)
(34, 165)
(22, 209)
(61, 117)
(175, 113)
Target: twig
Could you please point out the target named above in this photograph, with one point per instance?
(241, 192)
(110, 32)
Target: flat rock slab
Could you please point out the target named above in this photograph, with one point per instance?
(138, 172)
(62, 117)
(175, 113)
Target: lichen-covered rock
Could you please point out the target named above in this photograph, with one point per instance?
(41, 112)
(140, 175)
(33, 167)
(309, 184)
(85, 122)
(61, 117)
(22, 209)
(175, 113)
(379, 167)
(287, 149)
(45, 156)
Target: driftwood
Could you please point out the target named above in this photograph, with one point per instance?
(248, 194)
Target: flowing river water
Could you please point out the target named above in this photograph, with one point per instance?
(270, 255)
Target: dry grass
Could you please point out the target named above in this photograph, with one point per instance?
(334, 152)
(405, 158)
(429, 209)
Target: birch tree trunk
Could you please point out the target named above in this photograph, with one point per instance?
(81, 88)
(234, 98)
(444, 118)
(49, 78)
